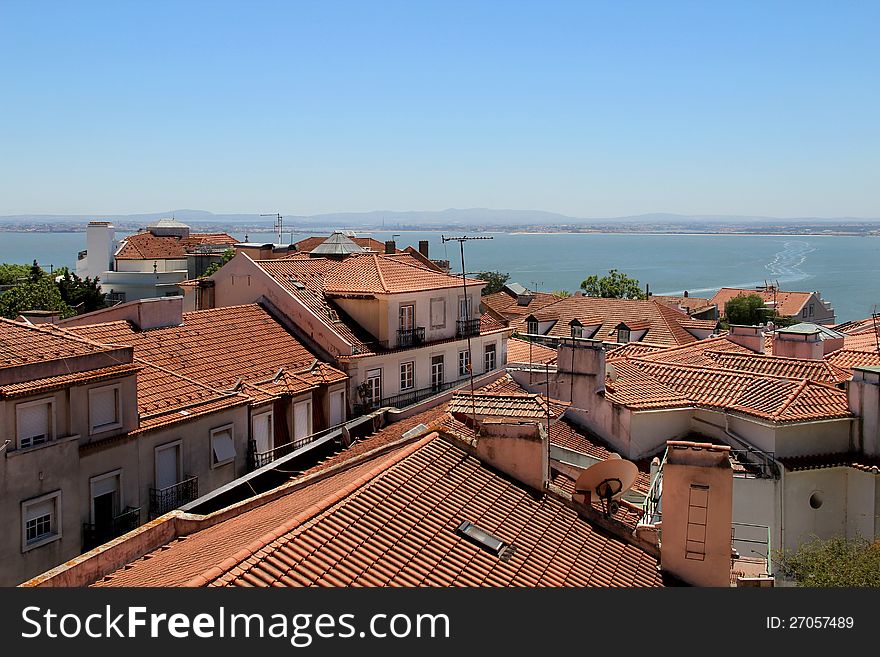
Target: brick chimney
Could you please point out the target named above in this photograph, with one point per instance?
(697, 503)
(390, 247)
(750, 337)
(423, 247)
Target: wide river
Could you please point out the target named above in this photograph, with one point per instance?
(845, 269)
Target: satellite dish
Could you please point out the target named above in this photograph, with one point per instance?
(608, 480)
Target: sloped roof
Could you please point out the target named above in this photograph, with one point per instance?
(505, 304)
(220, 348)
(522, 351)
(308, 244)
(146, 246)
(337, 244)
(522, 405)
(788, 304)
(665, 325)
(354, 537)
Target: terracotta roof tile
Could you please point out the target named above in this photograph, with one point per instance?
(523, 351)
(788, 304)
(506, 405)
(146, 246)
(818, 461)
(23, 344)
(600, 317)
(47, 384)
(505, 304)
(397, 527)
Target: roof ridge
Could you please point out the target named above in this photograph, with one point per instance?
(379, 272)
(301, 518)
(791, 397)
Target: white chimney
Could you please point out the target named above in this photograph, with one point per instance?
(99, 248)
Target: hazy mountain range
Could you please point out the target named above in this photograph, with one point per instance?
(470, 217)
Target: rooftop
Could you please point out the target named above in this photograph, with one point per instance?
(146, 246)
(787, 304)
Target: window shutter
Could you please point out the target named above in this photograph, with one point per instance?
(222, 445)
(103, 407)
(34, 424)
(46, 507)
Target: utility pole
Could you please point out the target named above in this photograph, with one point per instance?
(279, 224)
(467, 312)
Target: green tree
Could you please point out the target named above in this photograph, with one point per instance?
(12, 274)
(214, 267)
(495, 280)
(746, 309)
(562, 294)
(615, 285)
(835, 562)
(41, 295)
(83, 294)
(36, 273)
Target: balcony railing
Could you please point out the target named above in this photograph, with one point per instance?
(259, 459)
(163, 500)
(410, 337)
(467, 327)
(406, 398)
(98, 534)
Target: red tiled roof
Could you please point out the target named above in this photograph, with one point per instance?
(523, 351)
(506, 405)
(788, 304)
(380, 274)
(689, 303)
(665, 326)
(146, 246)
(505, 304)
(818, 461)
(627, 514)
(643, 384)
(217, 347)
(50, 383)
(396, 526)
(24, 344)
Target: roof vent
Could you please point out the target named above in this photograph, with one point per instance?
(296, 283)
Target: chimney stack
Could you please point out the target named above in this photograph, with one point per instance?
(697, 503)
(750, 337)
(390, 247)
(423, 247)
(519, 449)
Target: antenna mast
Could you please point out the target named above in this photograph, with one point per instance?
(875, 316)
(279, 224)
(467, 315)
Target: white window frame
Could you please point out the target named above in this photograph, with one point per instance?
(464, 359)
(412, 375)
(577, 331)
(494, 352)
(219, 464)
(412, 316)
(530, 325)
(174, 443)
(56, 521)
(465, 303)
(260, 415)
(441, 301)
(442, 370)
(93, 429)
(50, 401)
(375, 374)
(624, 333)
(120, 502)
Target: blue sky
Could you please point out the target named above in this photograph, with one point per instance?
(592, 109)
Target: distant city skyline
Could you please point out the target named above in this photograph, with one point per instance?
(590, 110)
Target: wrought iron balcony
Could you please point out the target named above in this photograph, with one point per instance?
(410, 337)
(259, 459)
(406, 398)
(99, 533)
(467, 327)
(163, 500)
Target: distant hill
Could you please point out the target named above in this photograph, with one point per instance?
(468, 217)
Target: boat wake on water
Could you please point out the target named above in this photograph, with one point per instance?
(785, 267)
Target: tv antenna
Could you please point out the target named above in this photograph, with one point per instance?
(279, 224)
(875, 317)
(467, 314)
(608, 480)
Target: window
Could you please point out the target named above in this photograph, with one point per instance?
(490, 360)
(261, 432)
(168, 465)
(302, 419)
(532, 327)
(623, 335)
(438, 313)
(106, 493)
(577, 331)
(35, 422)
(222, 447)
(407, 375)
(40, 521)
(407, 317)
(698, 503)
(464, 308)
(464, 362)
(105, 412)
(436, 371)
(373, 387)
(811, 309)
(804, 313)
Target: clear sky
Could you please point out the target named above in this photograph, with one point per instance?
(592, 109)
